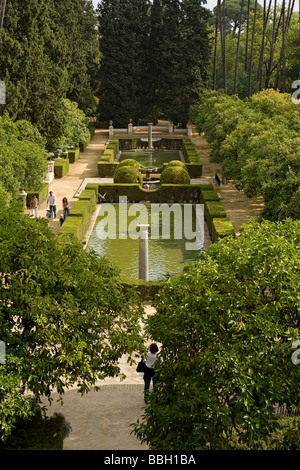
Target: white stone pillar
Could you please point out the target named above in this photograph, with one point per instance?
(150, 135)
(171, 128)
(23, 196)
(143, 252)
(50, 175)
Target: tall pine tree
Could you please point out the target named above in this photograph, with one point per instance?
(47, 50)
(161, 80)
(124, 28)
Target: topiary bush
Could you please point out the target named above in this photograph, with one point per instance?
(176, 163)
(174, 175)
(130, 162)
(128, 174)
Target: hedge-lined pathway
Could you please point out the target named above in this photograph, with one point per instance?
(238, 207)
(85, 167)
(101, 420)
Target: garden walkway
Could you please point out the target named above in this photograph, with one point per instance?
(101, 420)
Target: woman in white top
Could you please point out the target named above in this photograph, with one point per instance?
(149, 373)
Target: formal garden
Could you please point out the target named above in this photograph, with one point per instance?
(228, 316)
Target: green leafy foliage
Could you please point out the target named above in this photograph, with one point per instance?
(48, 51)
(174, 174)
(257, 142)
(226, 327)
(58, 330)
(154, 59)
(23, 159)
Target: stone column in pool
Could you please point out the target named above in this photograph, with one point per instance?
(143, 252)
(150, 135)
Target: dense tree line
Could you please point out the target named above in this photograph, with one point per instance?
(57, 331)
(257, 142)
(227, 328)
(48, 51)
(154, 59)
(256, 46)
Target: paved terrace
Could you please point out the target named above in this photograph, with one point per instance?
(101, 420)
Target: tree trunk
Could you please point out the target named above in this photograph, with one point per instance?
(2, 12)
(262, 50)
(238, 51)
(285, 26)
(283, 48)
(274, 37)
(223, 43)
(251, 52)
(215, 45)
(247, 36)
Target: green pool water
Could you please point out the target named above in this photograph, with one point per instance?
(151, 158)
(118, 240)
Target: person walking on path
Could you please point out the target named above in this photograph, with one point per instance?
(149, 372)
(66, 207)
(51, 200)
(34, 204)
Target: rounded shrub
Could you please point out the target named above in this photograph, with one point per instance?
(128, 174)
(130, 162)
(176, 163)
(175, 175)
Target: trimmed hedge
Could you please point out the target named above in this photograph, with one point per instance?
(194, 169)
(193, 162)
(212, 210)
(82, 209)
(94, 187)
(61, 167)
(168, 193)
(221, 228)
(114, 146)
(81, 213)
(108, 152)
(73, 226)
(89, 195)
(207, 195)
(146, 289)
(73, 154)
(42, 194)
(38, 433)
(107, 169)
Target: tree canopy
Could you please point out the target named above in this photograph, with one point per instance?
(154, 59)
(227, 326)
(48, 52)
(58, 330)
(257, 142)
(23, 158)
(256, 46)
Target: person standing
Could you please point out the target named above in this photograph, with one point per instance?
(66, 207)
(51, 200)
(34, 204)
(149, 372)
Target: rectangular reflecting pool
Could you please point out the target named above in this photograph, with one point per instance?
(173, 237)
